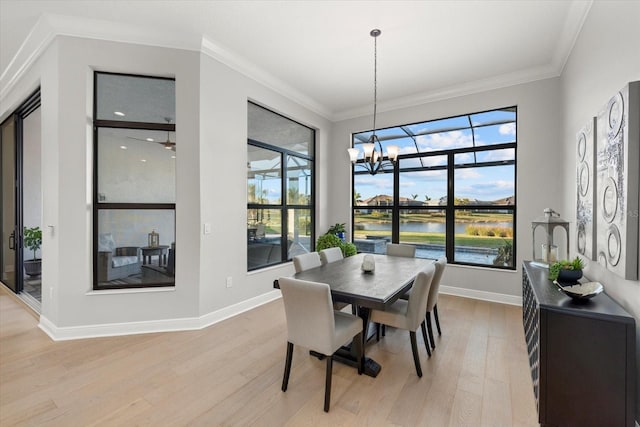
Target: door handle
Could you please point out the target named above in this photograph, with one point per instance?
(12, 240)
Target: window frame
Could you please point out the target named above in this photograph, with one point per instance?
(97, 205)
(284, 206)
(450, 208)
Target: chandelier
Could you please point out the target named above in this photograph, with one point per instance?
(373, 155)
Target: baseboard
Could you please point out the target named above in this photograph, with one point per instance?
(169, 325)
(482, 295)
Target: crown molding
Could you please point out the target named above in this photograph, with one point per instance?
(49, 27)
(245, 67)
(469, 88)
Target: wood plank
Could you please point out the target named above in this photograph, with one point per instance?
(230, 374)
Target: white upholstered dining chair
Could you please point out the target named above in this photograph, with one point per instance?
(399, 249)
(305, 262)
(432, 301)
(409, 314)
(312, 323)
(330, 255)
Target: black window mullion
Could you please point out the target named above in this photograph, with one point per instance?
(284, 208)
(450, 211)
(395, 211)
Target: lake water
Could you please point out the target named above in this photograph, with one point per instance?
(429, 227)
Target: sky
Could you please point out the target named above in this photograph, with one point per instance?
(482, 183)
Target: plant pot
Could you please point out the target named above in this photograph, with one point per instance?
(33, 267)
(569, 275)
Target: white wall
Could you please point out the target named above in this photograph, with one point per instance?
(606, 56)
(539, 127)
(211, 127)
(223, 167)
(67, 113)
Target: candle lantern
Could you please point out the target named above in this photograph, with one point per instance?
(154, 239)
(548, 248)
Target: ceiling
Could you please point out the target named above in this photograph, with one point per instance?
(320, 53)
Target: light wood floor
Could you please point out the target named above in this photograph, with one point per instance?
(230, 375)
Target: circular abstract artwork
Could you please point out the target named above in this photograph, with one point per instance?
(582, 239)
(602, 259)
(609, 199)
(582, 146)
(614, 245)
(583, 178)
(616, 112)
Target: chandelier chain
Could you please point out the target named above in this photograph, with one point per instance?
(375, 81)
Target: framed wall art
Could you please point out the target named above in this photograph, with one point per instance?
(586, 189)
(617, 165)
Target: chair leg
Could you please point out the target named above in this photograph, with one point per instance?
(433, 342)
(435, 314)
(426, 340)
(384, 330)
(327, 386)
(287, 366)
(377, 332)
(414, 348)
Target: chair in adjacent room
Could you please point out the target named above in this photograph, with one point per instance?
(305, 262)
(409, 314)
(330, 255)
(312, 323)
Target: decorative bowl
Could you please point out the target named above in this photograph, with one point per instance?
(582, 290)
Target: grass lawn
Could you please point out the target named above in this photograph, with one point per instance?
(438, 238)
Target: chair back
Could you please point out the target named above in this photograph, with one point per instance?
(440, 264)
(309, 312)
(306, 261)
(330, 255)
(398, 249)
(417, 304)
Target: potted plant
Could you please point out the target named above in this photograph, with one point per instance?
(330, 240)
(566, 271)
(33, 241)
(337, 229)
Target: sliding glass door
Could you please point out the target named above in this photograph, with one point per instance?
(10, 238)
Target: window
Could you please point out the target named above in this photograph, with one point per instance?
(451, 192)
(134, 185)
(280, 203)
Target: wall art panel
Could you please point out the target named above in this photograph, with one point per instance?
(586, 189)
(617, 165)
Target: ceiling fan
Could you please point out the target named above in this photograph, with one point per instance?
(168, 144)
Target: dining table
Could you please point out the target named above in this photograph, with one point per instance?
(365, 290)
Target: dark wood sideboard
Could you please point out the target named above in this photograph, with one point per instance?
(581, 354)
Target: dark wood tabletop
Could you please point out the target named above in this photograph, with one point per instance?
(392, 277)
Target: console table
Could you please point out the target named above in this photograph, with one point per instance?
(581, 354)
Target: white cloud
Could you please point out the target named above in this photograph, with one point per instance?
(467, 174)
(507, 129)
(444, 140)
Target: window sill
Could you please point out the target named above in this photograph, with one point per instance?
(132, 290)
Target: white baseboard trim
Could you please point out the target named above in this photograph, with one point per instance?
(482, 295)
(145, 327)
(185, 324)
